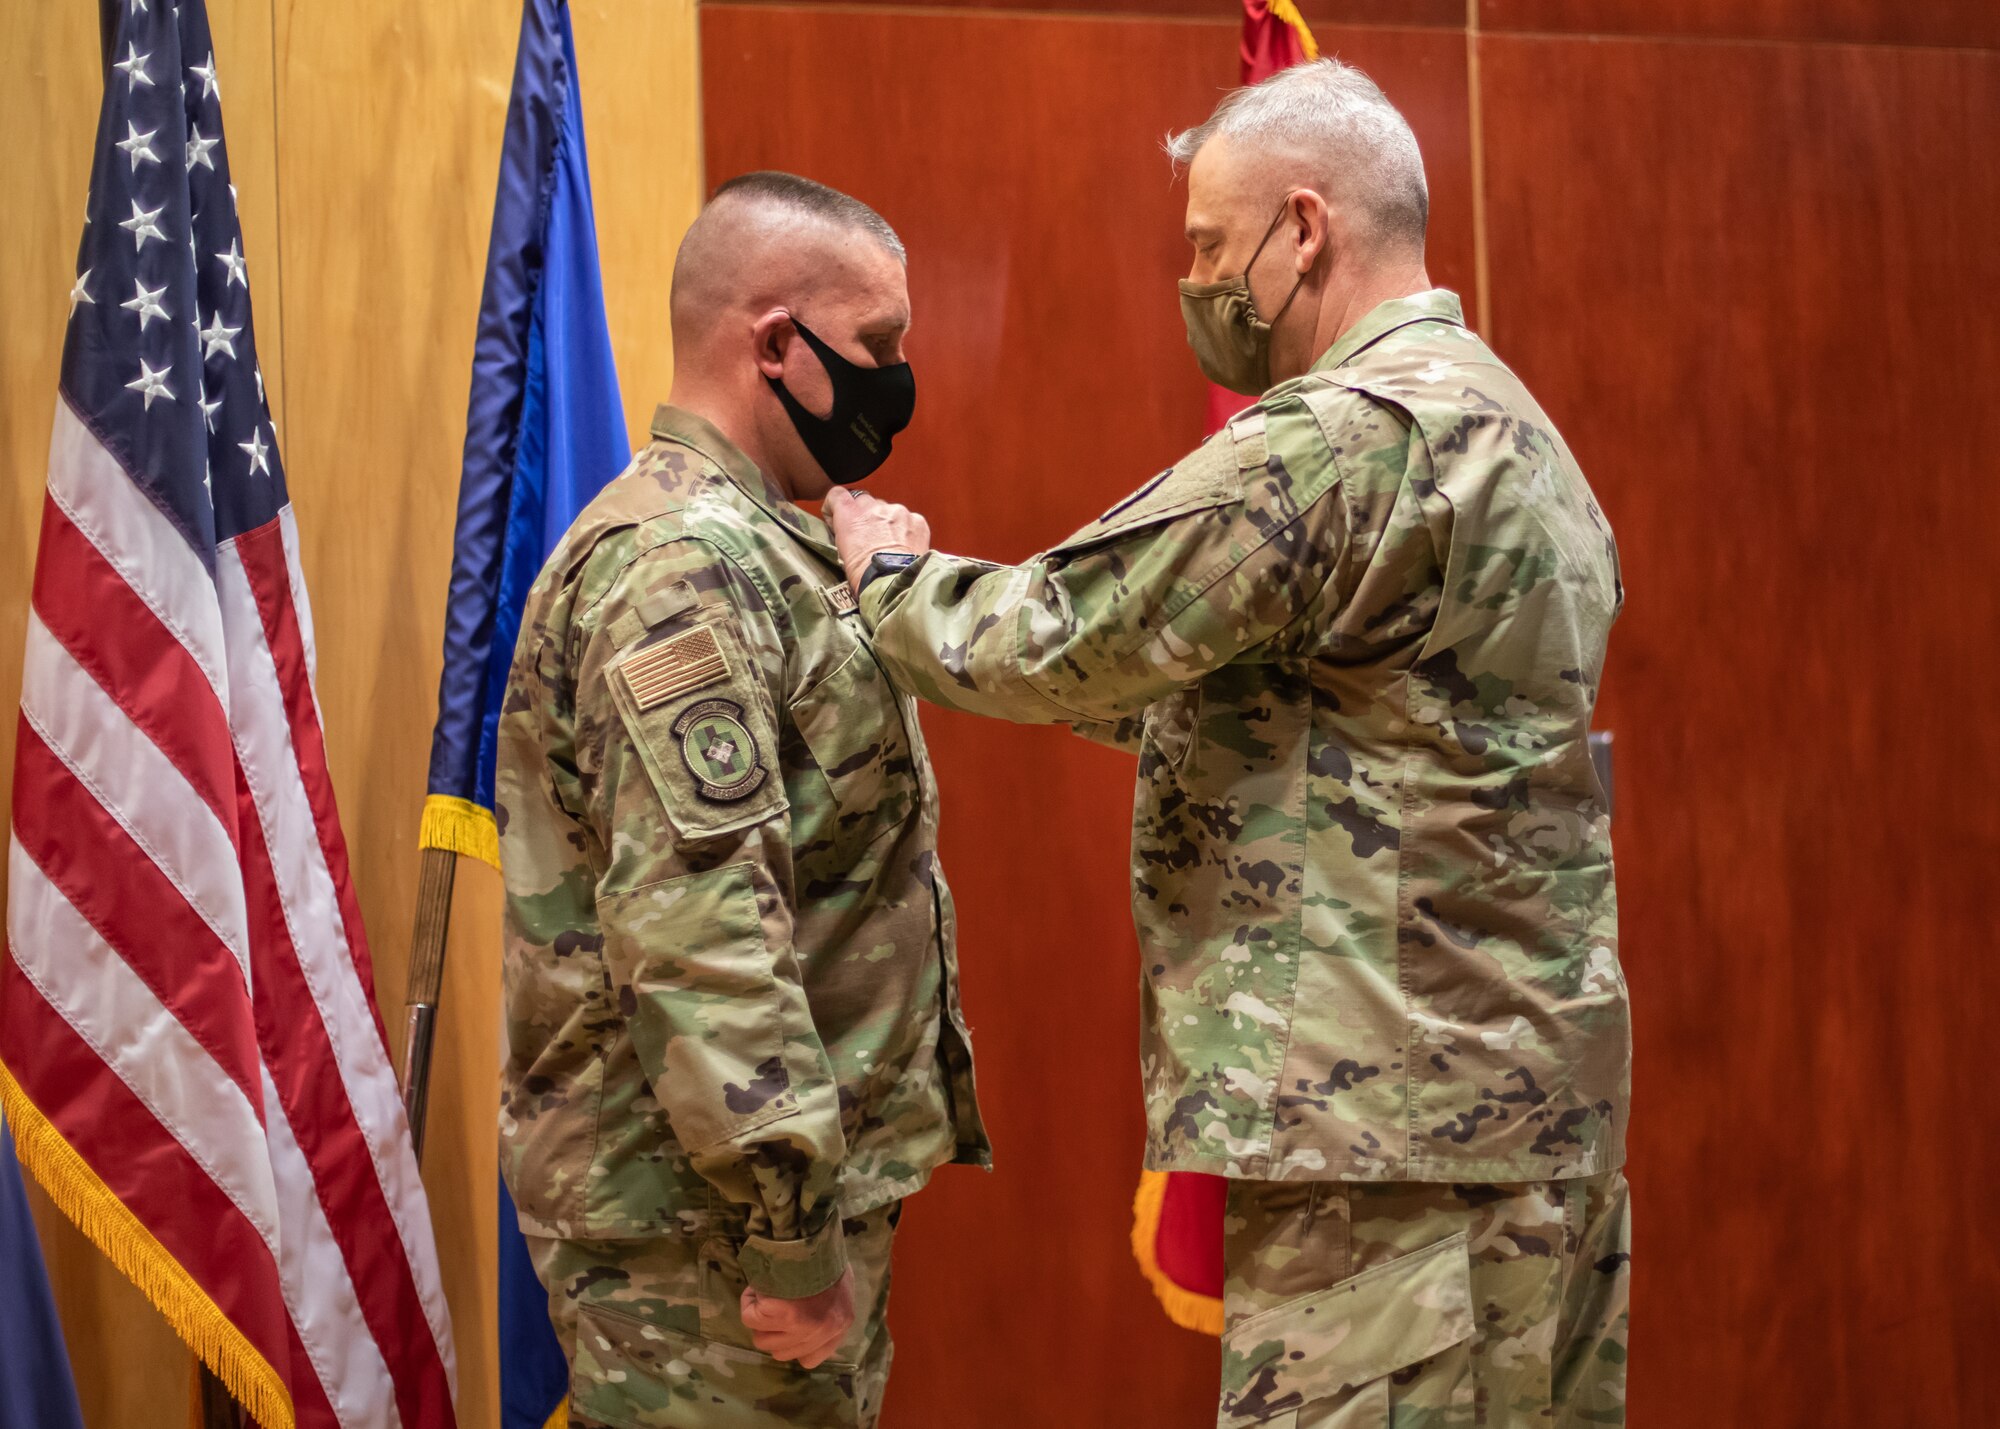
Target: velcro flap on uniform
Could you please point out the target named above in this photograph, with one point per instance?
(656, 673)
(1207, 477)
(1321, 1345)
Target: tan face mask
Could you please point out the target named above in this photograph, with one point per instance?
(1233, 344)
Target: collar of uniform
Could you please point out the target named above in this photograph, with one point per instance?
(677, 424)
(1433, 305)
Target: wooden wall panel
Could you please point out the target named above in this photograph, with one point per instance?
(1399, 13)
(1759, 304)
(1958, 23)
(1019, 157)
(390, 118)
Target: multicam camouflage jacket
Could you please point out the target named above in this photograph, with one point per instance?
(731, 988)
(1358, 637)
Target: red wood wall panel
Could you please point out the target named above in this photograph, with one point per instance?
(1018, 155)
(1754, 285)
(1961, 23)
(1318, 13)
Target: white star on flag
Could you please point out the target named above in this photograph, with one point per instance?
(80, 294)
(208, 408)
(151, 384)
(210, 85)
(138, 5)
(135, 146)
(146, 303)
(198, 147)
(216, 338)
(255, 446)
(141, 225)
(239, 271)
(133, 67)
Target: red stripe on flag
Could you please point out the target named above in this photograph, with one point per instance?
(106, 628)
(142, 1163)
(299, 1056)
(262, 553)
(121, 892)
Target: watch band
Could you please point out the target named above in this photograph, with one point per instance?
(884, 563)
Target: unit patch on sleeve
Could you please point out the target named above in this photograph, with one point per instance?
(718, 750)
(673, 667)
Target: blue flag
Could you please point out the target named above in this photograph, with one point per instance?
(36, 1389)
(544, 431)
(544, 428)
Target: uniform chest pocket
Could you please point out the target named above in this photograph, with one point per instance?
(852, 724)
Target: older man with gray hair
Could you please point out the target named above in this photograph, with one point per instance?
(1355, 639)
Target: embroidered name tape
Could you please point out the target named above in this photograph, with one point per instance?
(840, 598)
(673, 667)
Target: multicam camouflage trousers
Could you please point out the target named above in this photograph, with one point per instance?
(1351, 1305)
(656, 1339)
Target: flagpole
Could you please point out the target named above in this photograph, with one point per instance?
(426, 983)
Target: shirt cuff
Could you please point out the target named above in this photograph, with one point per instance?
(879, 594)
(795, 1269)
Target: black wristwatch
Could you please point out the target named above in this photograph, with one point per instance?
(884, 563)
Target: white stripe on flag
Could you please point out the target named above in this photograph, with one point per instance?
(318, 1290)
(93, 989)
(137, 785)
(313, 918)
(141, 544)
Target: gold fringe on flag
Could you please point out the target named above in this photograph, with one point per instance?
(559, 1419)
(1190, 1309)
(1288, 11)
(111, 1226)
(460, 826)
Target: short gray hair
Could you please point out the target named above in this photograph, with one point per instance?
(802, 195)
(1341, 123)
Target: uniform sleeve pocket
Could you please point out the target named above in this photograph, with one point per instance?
(1323, 1360)
(631, 1374)
(701, 722)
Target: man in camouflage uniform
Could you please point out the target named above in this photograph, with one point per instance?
(734, 1037)
(1356, 639)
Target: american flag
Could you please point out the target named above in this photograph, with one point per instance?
(189, 1046)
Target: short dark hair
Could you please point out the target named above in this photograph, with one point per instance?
(806, 196)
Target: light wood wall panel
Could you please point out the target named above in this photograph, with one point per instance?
(390, 118)
(365, 141)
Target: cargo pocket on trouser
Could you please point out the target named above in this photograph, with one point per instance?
(1340, 1358)
(630, 1374)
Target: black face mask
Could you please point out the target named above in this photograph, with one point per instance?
(870, 405)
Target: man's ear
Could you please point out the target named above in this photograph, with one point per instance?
(1311, 223)
(770, 336)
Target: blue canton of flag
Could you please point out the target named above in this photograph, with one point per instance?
(36, 1389)
(544, 430)
(179, 398)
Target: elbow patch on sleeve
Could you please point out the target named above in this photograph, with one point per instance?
(701, 721)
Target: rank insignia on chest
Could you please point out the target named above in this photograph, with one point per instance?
(673, 667)
(718, 750)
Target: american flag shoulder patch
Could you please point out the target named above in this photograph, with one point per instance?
(673, 667)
